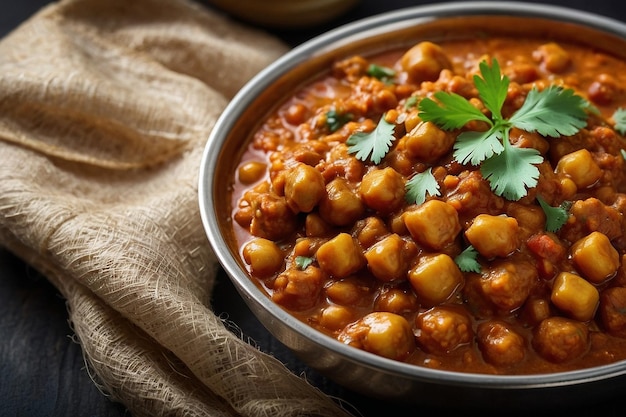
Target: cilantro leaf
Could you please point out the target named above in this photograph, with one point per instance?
(475, 147)
(372, 145)
(410, 102)
(510, 172)
(619, 117)
(380, 72)
(492, 87)
(452, 111)
(302, 262)
(553, 112)
(335, 120)
(555, 216)
(420, 185)
(466, 260)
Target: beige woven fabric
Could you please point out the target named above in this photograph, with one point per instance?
(105, 107)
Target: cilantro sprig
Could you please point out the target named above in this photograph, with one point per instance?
(467, 260)
(385, 74)
(420, 186)
(553, 112)
(335, 120)
(372, 145)
(556, 217)
(619, 117)
(303, 262)
(411, 102)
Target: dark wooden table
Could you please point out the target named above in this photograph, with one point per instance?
(42, 372)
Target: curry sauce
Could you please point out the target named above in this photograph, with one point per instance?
(333, 238)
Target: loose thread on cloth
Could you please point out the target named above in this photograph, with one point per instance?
(105, 107)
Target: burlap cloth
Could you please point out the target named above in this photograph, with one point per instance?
(105, 108)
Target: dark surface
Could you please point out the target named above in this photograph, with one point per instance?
(41, 369)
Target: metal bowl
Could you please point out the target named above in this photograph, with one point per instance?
(359, 370)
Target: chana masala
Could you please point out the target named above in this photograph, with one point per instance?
(380, 209)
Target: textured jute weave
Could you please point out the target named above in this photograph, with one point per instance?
(105, 108)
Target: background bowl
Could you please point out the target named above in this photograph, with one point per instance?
(286, 13)
(359, 370)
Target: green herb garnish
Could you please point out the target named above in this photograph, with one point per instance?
(410, 102)
(302, 262)
(373, 145)
(420, 185)
(467, 260)
(553, 112)
(335, 120)
(555, 216)
(384, 74)
(619, 117)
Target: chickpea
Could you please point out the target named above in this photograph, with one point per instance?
(296, 114)
(251, 172)
(523, 139)
(336, 317)
(553, 57)
(399, 161)
(575, 296)
(559, 339)
(499, 344)
(341, 206)
(493, 235)
(568, 188)
(340, 256)
(244, 215)
(315, 226)
(522, 73)
(424, 62)
(536, 310)
(531, 218)
(426, 142)
(434, 224)
(382, 190)
(443, 329)
(580, 167)
(383, 100)
(397, 225)
(310, 154)
(595, 257)
(382, 333)
(412, 120)
(474, 298)
(395, 300)
(606, 194)
(435, 278)
(507, 284)
(390, 258)
(304, 188)
(306, 247)
(370, 230)
(604, 89)
(613, 310)
(346, 292)
(451, 181)
(264, 257)
(297, 289)
(595, 216)
(271, 218)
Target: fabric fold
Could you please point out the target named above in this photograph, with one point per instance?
(105, 108)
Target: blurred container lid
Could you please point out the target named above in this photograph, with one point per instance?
(285, 14)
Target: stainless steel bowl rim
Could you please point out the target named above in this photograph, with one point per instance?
(399, 18)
